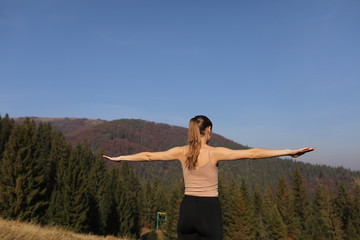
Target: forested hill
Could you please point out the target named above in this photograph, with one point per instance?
(126, 136)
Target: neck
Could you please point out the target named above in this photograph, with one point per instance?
(203, 141)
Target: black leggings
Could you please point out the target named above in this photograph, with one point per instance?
(200, 219)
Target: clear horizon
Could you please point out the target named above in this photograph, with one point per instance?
(281, 74)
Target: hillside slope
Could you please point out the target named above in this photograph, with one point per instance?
(126, 136)
(10, 230)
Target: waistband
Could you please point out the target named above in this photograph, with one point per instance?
(198, 197)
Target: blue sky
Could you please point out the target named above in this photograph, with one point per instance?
(271, 74)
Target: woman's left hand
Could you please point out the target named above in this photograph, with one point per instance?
(110, 158)
(301, 151)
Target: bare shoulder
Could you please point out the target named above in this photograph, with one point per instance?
(217, 153)
(178, 151)
(219, 150)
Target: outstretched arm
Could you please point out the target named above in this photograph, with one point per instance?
(171, 154)
(254, 153)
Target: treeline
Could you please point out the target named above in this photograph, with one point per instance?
(46, 180)
(127, 136)
(287, 212)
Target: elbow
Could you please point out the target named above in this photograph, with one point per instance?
(254, 154)
(148, 157)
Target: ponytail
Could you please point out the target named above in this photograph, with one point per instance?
(197, 126)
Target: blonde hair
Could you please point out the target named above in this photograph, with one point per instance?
(197, 126)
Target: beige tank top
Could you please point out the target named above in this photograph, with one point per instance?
(203, 181)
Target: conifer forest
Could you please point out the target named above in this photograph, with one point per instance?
(47, 179)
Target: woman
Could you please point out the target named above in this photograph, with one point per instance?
(200, 212)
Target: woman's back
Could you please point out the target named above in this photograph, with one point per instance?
(203, 180)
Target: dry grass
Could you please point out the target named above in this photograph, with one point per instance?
(13, 230)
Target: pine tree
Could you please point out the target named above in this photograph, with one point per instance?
(243, 226)
(71, 195)
(6, 126)
(107, 206)
(161, 199)
(284, 205)
(275, 227)
(343, 211)
(300, 205)
(238, 215)
(324, 223)
(356, 210)
(23, 177)
(146, 205)
(43, 140)
(77, 194)
(353, 229)
(229, 192)
(259, 215)
(44, 145)
(58, 165)
(97, 185)
(154, 199)
(249, 208)
(173, 211)
(149, 206)
(126, 196)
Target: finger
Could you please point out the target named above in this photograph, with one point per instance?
(309, 149)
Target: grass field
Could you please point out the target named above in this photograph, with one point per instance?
(13, 230)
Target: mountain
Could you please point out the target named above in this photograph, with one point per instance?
(66, 125)
(127, 136)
